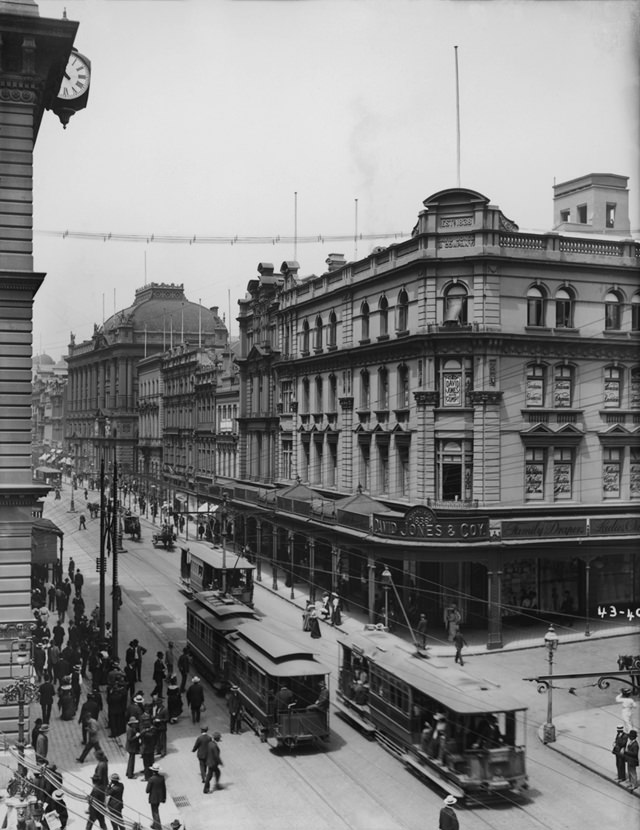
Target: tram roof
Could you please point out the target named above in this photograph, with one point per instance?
(275, 654)
(452, 686)
(220, 612)
(214, 557)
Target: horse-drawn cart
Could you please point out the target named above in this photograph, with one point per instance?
(132, 527)
(164, 536)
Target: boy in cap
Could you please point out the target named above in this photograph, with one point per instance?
(448, 817)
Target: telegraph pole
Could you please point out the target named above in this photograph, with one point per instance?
(115, 588)
(102, 563)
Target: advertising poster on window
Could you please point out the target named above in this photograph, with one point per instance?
(611, 393)
(562, 480)
(519, 586)
(452, 389)
(611, 480)
(534, 479)
(562, 393)
(534, 392)
(635, 390)
(634, 479)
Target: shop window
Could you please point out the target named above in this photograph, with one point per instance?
(364, 321)
(562, 473)
(535, 307)
(383, 389)
(383, 308)
(455, 305)
(634, 388)
(611, 472)
(536, 376)
(455, 468)
(455, 382)
(365, 390)
(287, 458)
(317, 340)
(305, 337)
(403, 387)
(635, 312)
(634, 473)
(564, 309)
(402, 311)
(332, 332)
(563, 386)
(612, 311)
(612, 386)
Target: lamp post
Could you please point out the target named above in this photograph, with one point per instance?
(551, 644)
(587, 630)
(386, 584)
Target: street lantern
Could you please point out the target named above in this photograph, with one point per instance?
(386, 584)
(551, 644)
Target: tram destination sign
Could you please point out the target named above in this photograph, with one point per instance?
(422, 523)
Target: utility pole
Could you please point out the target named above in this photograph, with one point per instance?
(115, 587)
(102, 563)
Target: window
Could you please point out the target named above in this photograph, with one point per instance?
(535, 307)
(535, 385)
(402, 311)
(455, 382)
(612, 310)
(319, 394)
(403, 387)
(564, 309)
(562, 473)
(635, 312)
(402, 456)
(306, 398)
(365, 390)
(317, 341)
(305, 337)
(332, 334)
(286, 395)
(565, 215)
(610, 215)
(383, 389)
(582, 214)
(383, 466)
(383, 308)
(332, 466)
(287, 458)
(534, 473)
(365, 463)
(563, 386)
(611, 470)
(634, 473)
(612, 386)
(364, 312)
(333, 393)
(455, 468)
(634, 389)
(455, 305)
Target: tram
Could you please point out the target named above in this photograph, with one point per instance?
(207, 569)
(231, 646)
(460, 733)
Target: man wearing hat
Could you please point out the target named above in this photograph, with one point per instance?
(448, 817)
(58, 805)
(132, 745)
(175, 824)
(115, 792)
(42, 744)
(195, 699)
(631, 757)
(200, 747)
(157, 792)
(619, 744)
(96, 800)
(234, 704)
(214, 763)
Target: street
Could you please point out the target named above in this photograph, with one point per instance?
(352, 783)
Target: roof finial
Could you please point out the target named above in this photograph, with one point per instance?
(64, 13)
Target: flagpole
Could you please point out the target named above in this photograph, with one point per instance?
(457, 117)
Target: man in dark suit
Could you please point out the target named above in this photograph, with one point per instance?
(213, 762)
(200, 748)
(157, 792)
(619, 745)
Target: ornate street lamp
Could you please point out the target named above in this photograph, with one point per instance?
(386, 584)
(551, 644)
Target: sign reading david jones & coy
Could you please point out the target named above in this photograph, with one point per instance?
(422, 523)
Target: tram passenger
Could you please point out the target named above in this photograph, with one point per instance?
(425, 737)
(284, 698)
(439, 735)
(488, 735)
(322, 703)
(360, 693)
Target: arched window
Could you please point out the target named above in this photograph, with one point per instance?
(306, 402)
(564, 309)
(403, 387)
(612, 386)
(635, 312)
(563, 386)
(383, 388)
(536, 377)
(305, 337)
(383, 308)
(365, 390)
(402, 311)
(535, 306)
(612, 310)
(317, 343)
(455, 305)
(455, 381)
(364, 313)
(332, 334)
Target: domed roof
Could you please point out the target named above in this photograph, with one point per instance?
(43, 360)
(160, 307)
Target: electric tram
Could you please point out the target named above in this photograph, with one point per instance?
(454, 730)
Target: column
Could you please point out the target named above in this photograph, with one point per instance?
(274, 557)
(494, 593)
(312, 569)
(371, 568)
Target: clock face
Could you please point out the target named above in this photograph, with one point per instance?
(77, 76)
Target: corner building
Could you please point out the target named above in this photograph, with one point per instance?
(462, 407)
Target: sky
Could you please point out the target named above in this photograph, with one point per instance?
(276, 119)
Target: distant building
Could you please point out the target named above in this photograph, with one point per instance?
(48, 394)
(102, 404)
(462, 406)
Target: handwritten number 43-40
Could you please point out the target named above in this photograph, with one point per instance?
(613, 611)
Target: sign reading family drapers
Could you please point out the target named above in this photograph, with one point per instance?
(422, 523)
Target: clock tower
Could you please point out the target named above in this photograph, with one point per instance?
(34, 52)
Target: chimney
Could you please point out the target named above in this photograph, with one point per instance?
(335, 261)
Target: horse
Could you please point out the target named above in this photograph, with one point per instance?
(629, 662)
